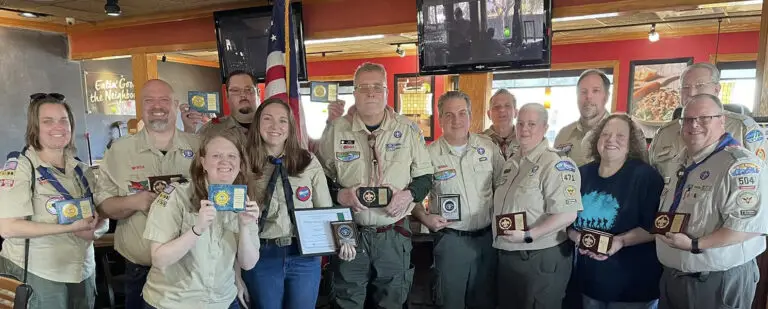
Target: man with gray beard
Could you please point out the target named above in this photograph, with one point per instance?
(123, 191)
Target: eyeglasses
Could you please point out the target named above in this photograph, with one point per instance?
(238, 92)
(370, 88)
(698, 86)
(41, 95)
(701, 120)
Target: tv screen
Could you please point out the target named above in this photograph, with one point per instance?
(483, 35)
(242, 38)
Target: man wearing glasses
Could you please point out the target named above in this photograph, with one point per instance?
(380, 150)
(710, 262)
(243, 99)
(701, 78)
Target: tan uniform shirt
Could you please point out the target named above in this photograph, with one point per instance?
(348, 159)
(222, 123)
(309, 190)
(722, 192)
(205, 276)
(132, 159)
(59, 258)
(667, 143)
(472, 174)
(508, 144)
(539, 184)
(572, 140)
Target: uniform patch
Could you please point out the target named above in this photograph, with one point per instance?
(303, 194)
(445, 175)
(10, 165)
(348, 156)
(348, 146)
(747, 199)
(137, 167)
(347, 142)
(564, 148)
(483, 159)
(393, 146)
(570, 191)
(754, 136)
(442, 166)
(760, 153)
(744, 169)
(398, 134)
(481, 151)
(704, 175)
(187, 153)
(49, 204)
(7, 174)
(533, 170)
(569, 177)
(571, 201)
(565, 166)
(162, 198)
(746, 182)
(6, 183)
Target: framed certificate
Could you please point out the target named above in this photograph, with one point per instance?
(314, 230)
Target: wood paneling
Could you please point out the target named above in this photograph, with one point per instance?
(189, 60)
(478, 87)
(211, 45)
(31, 25)
(732, 57)
(627, 6)
(144, 68)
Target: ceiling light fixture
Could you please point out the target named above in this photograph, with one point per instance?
(112, 8)
(347, 39)
(582, 17)
(727, 4)
(28, 15)
(653, 36)
(399, 51)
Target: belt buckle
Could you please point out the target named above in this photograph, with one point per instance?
(283, 242)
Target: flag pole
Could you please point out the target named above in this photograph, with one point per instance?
(287, 48)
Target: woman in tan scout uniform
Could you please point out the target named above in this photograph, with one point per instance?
(283, 170)
(61, 263)
(193, 246)
(534, 260)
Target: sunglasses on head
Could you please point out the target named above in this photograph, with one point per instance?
(41, 95)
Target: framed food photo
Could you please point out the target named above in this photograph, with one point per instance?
(655, 91)
(415, 98)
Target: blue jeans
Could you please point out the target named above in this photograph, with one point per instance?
(234, 305)
(135, 278)
(282, 279)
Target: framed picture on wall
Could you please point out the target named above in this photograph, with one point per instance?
(655, 90)
(414, 98)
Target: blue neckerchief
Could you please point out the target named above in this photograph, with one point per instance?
(57, 185)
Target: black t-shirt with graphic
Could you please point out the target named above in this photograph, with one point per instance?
(616, 205)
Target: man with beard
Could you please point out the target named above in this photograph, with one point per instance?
(502, 111)
(667, 143)
(242, 97)
(593, 88)
(123, 190)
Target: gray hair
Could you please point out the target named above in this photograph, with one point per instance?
(539, 108)
(706, 96)
(713, 71)
(502, 92)
(453, 95)
(601, 74)
(370, 67)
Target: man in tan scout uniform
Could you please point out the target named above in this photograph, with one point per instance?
(377, 148)
(667, 143)
(593, 90)
(123, 186)
(243, 99)
(711, 262)
(467, 167)
(534, 261)
(502, 110)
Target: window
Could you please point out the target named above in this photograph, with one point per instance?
(317, 113)
(737, 83)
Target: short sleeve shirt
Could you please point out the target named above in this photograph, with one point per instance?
(508, 144)
(571, 140)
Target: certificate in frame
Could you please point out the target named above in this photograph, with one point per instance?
(313, 229)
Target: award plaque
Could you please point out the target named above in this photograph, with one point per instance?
(670, 222)
(227, 197)
(596, 241)
(324, 92)
(158, 184)
(344, 232)
(204, 102)
(374, 196)
(69, 211)
(512, 222)
(450, 206)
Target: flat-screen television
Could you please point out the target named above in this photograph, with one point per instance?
(242, 38)
(483, 35)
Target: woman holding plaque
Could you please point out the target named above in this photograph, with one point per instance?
(620, 194)
(286, 177)
(198, 248)
(46, 198)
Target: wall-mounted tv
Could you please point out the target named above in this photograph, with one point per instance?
(483, 35)
(242, 38)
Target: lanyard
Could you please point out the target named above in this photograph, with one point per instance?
(287, 190)
(727, 140)
(57, 185)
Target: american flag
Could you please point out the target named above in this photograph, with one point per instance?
(276, 75)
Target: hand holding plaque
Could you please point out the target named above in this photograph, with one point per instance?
(511, 222)
(667, 222)
(158, 184)
(227, 197)
(344, 232)
(595, 241)
(69, 211)
(450, 207)
(374, 196)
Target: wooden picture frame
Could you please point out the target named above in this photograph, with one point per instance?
(652, 84)
(417, 94)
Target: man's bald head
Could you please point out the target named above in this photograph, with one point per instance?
(158, 106)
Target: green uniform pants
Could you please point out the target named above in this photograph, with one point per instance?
(382, 267)
(733, 288)
(534, 279)
(48, 294)
(465, 270)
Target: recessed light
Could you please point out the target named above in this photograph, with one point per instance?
(28, 15)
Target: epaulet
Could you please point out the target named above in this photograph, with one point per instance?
(13, 155)
(744, 119)
(739, 153)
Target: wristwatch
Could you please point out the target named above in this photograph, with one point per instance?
(528, 239)
(695, 246)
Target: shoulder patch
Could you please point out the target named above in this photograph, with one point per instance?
(754, 136)
(565, 166)
(13, 155)
(744, 169)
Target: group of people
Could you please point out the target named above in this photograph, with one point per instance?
(180, 252)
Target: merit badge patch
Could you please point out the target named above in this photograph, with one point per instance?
(348, 156)
(704, 175)
(754, 136)
(564, 166)
(744, 169)
(303, 194)
(187, 153)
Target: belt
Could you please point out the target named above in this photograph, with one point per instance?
(398, 226)
(699, 275)
(476, 233)
(280, 242)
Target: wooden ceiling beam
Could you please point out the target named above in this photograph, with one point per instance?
(189, 60)
(202, 46)
(590, 36)
(627, 6)
(32, 25)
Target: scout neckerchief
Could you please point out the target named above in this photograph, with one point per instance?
(47, 175)
(726, 140)
(503, 142)
(376, 173)
(287, 190)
